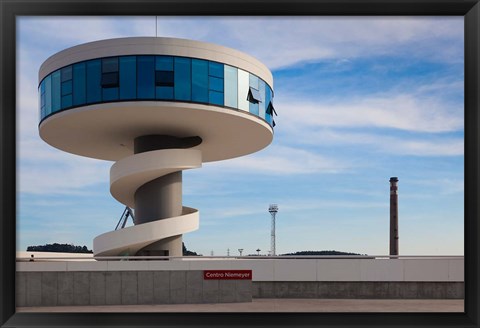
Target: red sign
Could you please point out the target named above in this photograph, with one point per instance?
(227, 274)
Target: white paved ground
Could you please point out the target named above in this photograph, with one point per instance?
(275, 305)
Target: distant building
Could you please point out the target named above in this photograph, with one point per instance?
(155, 106)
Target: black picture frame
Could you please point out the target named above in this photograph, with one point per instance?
(10, 9)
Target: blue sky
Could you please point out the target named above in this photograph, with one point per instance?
(359, 100)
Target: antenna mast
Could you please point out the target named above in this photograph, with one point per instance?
(273, 209)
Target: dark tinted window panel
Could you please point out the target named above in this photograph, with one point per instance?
(42, 112)
(164, 93)
(216, 84)
(66, 88)
(146, 77)
(56, 95)
(41, 92)
(42, 87)
(110, 80)
(79, 84)
(268, 95)
(66, 73)
(39, 98)
(200, 80)
(110, 65)
(164, 63)
(48, 94)
(94, 74)
(183, 79)
(253, 81)
(164, 78)
(128, 77)
(215, 69)
(67, 101)
(216, 98)
(254, 108)
(110, 94)
(261, 90)
(268, 118)
(268, 98)
(271, 110)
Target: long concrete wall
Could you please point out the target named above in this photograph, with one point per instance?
(91, 282)
(414, 269)
(64, 288)
(359, 289)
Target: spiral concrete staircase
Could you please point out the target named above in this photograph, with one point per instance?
(155, 230)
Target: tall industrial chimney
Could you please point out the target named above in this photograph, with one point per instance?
(393, 216)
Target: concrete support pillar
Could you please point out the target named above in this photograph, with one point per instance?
(161, 198)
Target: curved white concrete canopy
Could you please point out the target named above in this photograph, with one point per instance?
(107, 131)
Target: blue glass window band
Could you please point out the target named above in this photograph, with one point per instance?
(149, 77)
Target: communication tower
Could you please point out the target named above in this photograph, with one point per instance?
(273, 209)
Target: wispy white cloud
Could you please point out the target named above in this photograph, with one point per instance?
(326, 37)
(290, 206)
(70, 31)
(414, 146)
(402, 111)
(321, 37)
(280, 160)
(445, 186)
(451, 147)
(45, 170)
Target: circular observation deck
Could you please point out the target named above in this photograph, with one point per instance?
(96, 98)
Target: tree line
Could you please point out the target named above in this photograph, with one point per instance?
(59, 248)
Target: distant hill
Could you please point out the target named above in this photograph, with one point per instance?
(320, 253)
(59, 248)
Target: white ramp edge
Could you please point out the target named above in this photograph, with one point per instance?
(131, 239)
(130, 173)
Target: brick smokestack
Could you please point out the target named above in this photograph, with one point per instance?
(393, 216)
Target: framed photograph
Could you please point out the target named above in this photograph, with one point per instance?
(365, 100)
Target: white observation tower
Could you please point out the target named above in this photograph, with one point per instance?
(155, 107)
